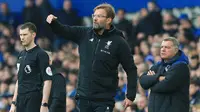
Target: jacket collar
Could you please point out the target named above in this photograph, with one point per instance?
(180, 56)
(108, 32)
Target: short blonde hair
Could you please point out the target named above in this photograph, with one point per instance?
(173, 40)
(108, 8)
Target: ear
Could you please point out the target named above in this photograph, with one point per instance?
(109, 21)
(34, 34)
(176, 50)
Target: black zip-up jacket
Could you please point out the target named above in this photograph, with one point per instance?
(57, 97)
(100, 56)
(33, 69)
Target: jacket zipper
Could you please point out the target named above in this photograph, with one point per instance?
(95, 52)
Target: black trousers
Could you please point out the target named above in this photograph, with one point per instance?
(95, 106)
(30, 102)
(57, 106)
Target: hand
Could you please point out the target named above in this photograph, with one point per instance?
(13, 108)
(161, 78)
(44, 109)
(127, 103)
(151, 72)
(50, 18)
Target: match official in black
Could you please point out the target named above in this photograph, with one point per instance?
(34, 74)
(57, 99)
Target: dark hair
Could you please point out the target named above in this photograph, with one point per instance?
(108, 8)
(153, 2)
(195, 57)
(188, 34)
(195, 81)
(30, 26)
(121, 9)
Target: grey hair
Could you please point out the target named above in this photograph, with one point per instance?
(173, 40)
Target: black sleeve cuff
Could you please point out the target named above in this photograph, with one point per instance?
(130, 98)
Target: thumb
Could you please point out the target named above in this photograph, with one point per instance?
(125, 104)
(55, 17)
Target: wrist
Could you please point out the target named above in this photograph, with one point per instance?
(45, 104)
(14, 103)
(130, 97)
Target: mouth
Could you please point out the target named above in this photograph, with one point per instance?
(95, 24)
(162, 53)
(22, 41)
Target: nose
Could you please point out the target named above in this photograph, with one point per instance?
(22, 37)
(95, 18)
(163, 49)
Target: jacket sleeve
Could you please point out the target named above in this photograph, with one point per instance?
(126, 59)
(147, 81)
(59, 85)
(43, 63)
(73, 33)
(175, 77)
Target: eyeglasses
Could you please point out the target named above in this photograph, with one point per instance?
(98, 16)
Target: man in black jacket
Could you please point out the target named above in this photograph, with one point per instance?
(168, 80)
(57, 99)
(102, 48)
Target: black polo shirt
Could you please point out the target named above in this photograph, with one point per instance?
(33, 69)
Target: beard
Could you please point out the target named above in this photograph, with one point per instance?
(97, 26)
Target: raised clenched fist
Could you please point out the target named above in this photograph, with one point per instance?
(50, 18)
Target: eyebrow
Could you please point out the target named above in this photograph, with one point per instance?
(23, 34)
(166, 46)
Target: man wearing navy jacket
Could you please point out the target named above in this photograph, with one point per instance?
(168, 80)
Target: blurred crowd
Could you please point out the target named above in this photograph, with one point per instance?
(143, 32)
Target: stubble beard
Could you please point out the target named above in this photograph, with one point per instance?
(27, 44)
(98, 27)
